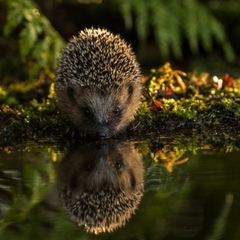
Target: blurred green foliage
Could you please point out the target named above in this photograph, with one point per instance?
(39, 43)
(172, 22)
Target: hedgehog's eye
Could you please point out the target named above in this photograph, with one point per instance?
(116, 111)
(86, 111)
(118, 165)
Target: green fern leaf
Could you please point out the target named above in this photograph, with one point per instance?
(125, 9)
(27, 39)
(205, 33)
(159, 17)
(190, 23)
(175, 37)
(220, 36)
(14, 17)
(142, 24)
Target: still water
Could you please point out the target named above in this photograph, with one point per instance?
(119, 190)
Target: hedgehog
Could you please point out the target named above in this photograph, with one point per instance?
(98, 83)
(101, 185)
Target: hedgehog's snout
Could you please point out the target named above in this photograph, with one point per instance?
(102, 134)
(103, 128)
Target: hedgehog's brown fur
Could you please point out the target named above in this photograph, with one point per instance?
(101, 186)
(98, 83)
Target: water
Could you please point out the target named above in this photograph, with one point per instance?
(108, 191)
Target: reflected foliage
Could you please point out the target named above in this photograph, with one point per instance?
(196, 200)
(24, 185)
(220, 224)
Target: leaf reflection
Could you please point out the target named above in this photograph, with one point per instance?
(19, 197)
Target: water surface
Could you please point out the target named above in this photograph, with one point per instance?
(118, 190)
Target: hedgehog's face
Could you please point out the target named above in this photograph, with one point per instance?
(96, 166)
(100, 113)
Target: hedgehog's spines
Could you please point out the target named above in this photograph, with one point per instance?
(97, 61)
(117, 54)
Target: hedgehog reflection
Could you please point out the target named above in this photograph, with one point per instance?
(101, 185)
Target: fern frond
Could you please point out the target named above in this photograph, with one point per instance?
(174, 20)
(27, 40)
(221, 37)
(39, 43)
(159, 19)
(141, 11)
(205, 33)
(190, 23)
(174, 28)
(14, 8)
(125, 9)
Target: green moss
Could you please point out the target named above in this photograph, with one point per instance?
(34, 122)
(201, 108)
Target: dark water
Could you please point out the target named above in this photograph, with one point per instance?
(175, 191)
